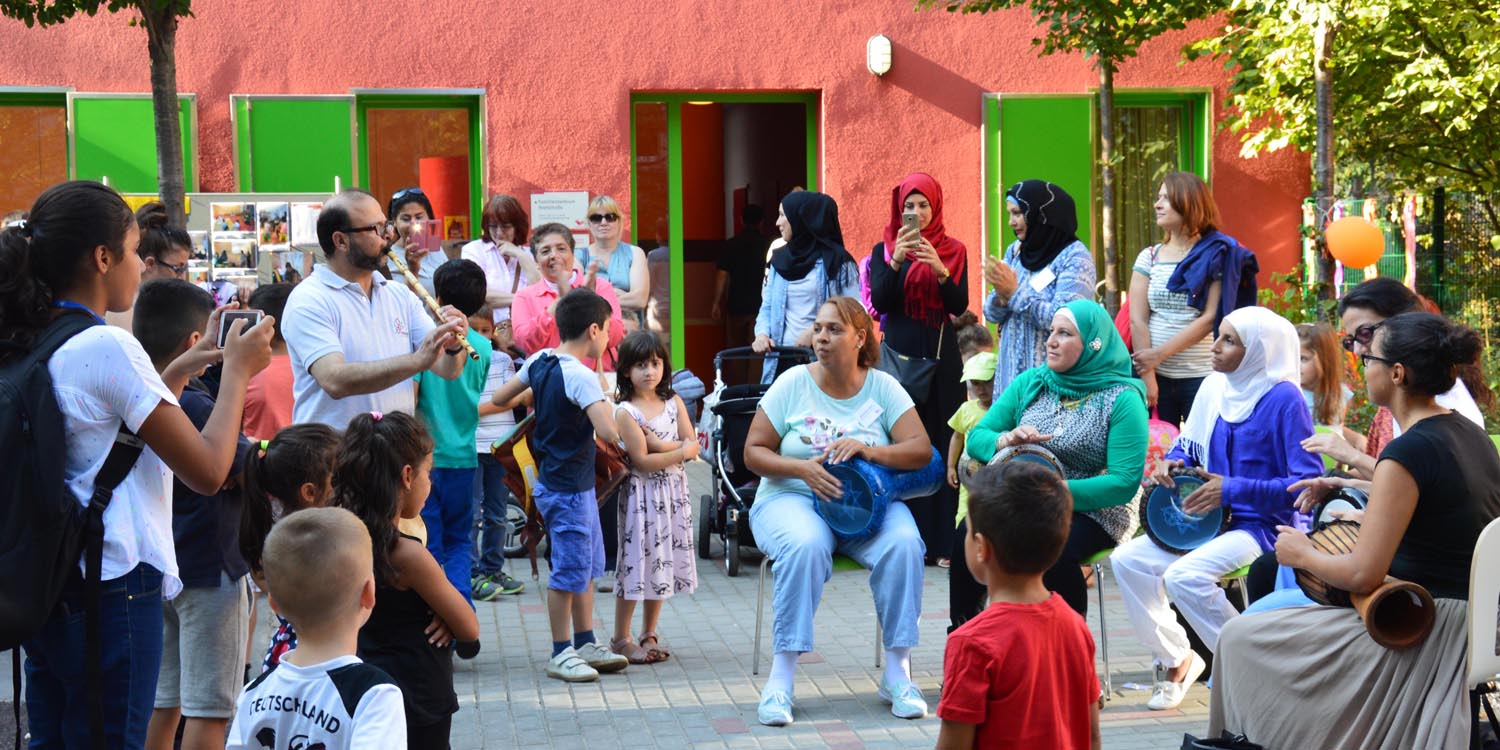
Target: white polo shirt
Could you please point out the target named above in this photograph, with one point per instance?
(327, 314)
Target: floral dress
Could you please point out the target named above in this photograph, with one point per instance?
(656, 557)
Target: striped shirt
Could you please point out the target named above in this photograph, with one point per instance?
(1170, 313)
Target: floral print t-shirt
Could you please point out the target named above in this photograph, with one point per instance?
(809, 420)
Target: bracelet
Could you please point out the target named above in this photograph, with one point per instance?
(454, 352)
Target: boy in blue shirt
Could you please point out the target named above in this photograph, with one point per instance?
(570, 411)
(450, 409)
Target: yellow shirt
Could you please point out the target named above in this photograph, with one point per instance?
(962, 421)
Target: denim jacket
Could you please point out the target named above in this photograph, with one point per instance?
(771, 321)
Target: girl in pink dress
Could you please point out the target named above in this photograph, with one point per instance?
(656, 558)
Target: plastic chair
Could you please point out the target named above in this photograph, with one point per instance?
(1235, 578)
(1097, 560)
(1484, 598)
(1496, 440)
(840, 562)
(1323, 429)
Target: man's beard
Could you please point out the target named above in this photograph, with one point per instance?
(358, 259)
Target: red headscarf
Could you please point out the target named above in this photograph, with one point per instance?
(923, 301)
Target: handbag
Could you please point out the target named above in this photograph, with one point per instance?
(1226, 741)
(913, 373)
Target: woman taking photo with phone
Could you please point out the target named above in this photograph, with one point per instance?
(919, 279)
(1045, 268)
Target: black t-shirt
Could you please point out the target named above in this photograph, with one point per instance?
(1457, 471)
(744, 259)
(207, 529)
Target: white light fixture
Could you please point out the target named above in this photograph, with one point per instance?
(878, 54)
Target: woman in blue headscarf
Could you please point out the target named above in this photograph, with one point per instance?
(812, 267)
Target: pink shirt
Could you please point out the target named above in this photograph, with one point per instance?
(268, 399)
(536, 329)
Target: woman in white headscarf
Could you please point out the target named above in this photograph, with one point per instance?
(1245, 430)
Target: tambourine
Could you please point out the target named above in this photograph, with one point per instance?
(869, 489)
(1030, 453)
(1346, 498)
(1398, 614)
(1174, 529)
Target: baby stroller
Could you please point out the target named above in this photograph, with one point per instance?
(726, 510)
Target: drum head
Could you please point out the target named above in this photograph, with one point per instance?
(1172, 528)
(1031, 454)
(853, 515)
(1347, 498)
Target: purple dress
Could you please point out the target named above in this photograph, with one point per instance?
(656, 558)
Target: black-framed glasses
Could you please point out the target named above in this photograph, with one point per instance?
(1363, 335)
(178, 271)
(380, 228)
(1364, 360)
(601, 218)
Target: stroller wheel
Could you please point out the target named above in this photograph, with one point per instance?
(706, 513)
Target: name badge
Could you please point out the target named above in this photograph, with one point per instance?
(868, 414)
(1042, 278)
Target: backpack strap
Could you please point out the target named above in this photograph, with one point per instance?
(117, 466)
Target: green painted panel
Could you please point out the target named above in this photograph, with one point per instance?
(116, 138)
(298, 145)
(1047, 138)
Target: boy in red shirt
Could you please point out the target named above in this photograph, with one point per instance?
(1021, 674)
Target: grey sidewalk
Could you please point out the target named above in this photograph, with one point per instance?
(705, 695)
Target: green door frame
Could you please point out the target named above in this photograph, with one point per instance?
(469, 99)
(674, 102)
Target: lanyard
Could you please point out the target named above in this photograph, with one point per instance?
(71, 305)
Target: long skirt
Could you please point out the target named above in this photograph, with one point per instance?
(1311, 677)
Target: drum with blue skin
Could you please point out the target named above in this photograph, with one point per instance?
(1174, 529)
(869, 489)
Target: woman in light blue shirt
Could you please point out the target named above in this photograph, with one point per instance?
(810, 269)
(1045, 268)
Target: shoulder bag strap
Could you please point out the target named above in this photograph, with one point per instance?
(117, 466)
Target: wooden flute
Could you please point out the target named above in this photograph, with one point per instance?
(432, 304)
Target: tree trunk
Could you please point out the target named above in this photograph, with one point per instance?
(160, 20)
(1323, 160)
(1107, 185)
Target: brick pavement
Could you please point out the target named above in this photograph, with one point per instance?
(705, 696)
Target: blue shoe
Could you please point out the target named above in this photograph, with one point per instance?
(906, 700)
(775, 709)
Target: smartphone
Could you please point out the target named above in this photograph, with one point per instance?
(227, 318)
(910, 220)
(425, 235)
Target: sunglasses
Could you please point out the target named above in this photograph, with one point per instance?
(1363, 335)
(601, 218)
(408, 191)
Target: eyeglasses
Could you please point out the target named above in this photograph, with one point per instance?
(1364, 360)
(601, 218)
(1363, 335)
(178, 271)
(380, 228)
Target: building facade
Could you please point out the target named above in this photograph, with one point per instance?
(683, 111)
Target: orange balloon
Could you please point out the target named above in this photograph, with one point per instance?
(1355, 241)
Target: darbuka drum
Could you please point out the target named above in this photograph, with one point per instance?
(1398, 614)
(1030, 453)
(1174, 529)
(1345, 499)
(869, 489)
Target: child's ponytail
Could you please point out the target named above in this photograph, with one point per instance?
(367, 475)
(273, 479)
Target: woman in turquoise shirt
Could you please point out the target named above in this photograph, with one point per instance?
(1086, 407)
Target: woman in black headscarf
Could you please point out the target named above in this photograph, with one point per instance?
(1045, 268)
(812, 267)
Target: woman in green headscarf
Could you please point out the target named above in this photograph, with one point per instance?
(1086, 407)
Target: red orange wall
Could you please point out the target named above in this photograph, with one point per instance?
(559, 75)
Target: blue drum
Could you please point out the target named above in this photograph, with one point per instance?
(1174, 529)
(869, 489)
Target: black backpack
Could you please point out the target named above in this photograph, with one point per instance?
(43, 529)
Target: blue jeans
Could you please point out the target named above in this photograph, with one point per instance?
(131, 629)
(490, 532)
(448, 513)
(1174, 398)
(799, 541)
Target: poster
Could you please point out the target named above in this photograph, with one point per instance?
(233, 218)
(271, 220)
(456, 228)
(235, 253)
(304, 219)
(569, 208)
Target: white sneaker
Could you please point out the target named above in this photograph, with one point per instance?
(775, 709)
(1169, 694)
(568, 666)
(602, 659)
(906, 699)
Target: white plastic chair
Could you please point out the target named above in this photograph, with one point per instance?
(1484, 610)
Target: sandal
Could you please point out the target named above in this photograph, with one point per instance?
(630, 650)
(657, 651)
(943, 562)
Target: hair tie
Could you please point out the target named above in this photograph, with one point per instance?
(375, 415)
(265, 445)
(21, 227)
